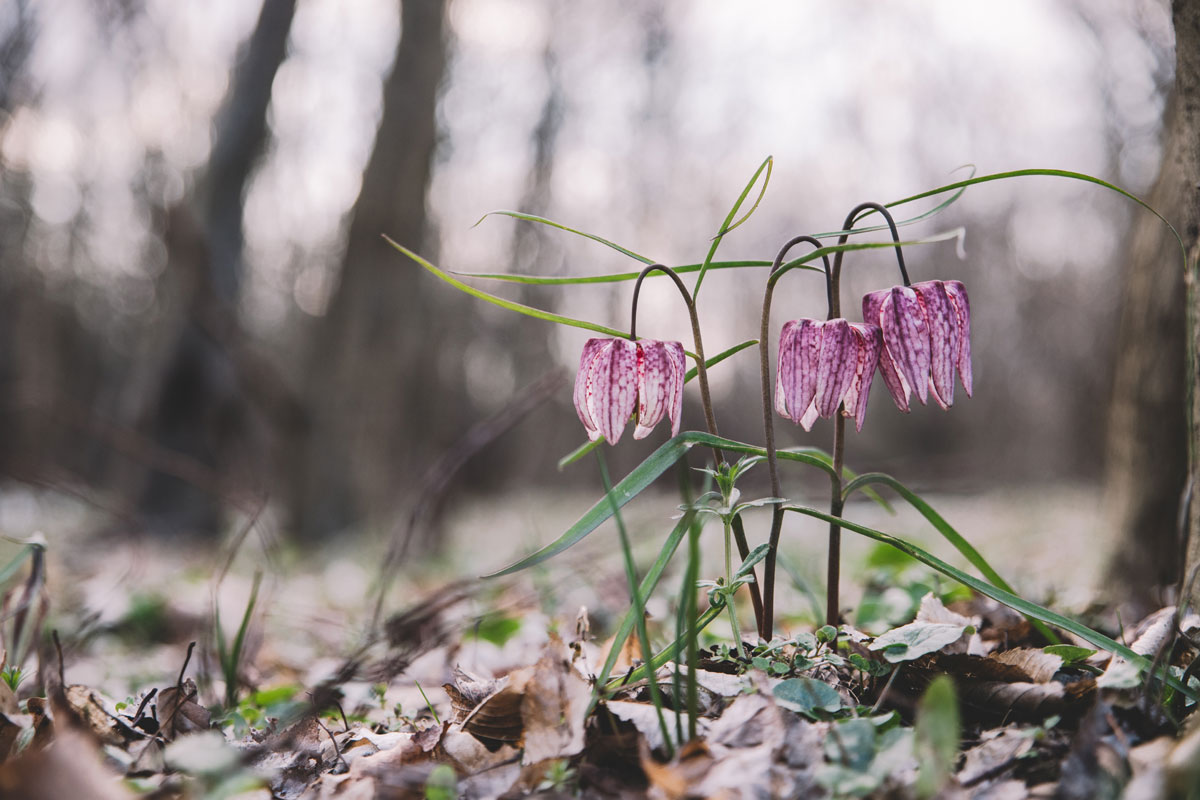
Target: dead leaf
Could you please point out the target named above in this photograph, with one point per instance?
(673, 779)
(644, 717)
(996, 752)
(1038, 665)
(98, 713)
(554, 706)
(69, 768)
(178, 711)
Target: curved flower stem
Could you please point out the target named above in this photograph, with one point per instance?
(836, 501)
(710, 420)
(767, 621)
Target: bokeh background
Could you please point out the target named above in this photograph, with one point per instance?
(199, 318)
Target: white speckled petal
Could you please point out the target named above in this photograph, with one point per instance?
(869, 341)
(962, 309)
(897, 387)
(837, 365)
(906, 335)
(660, 385)
(591, 349)
(943, 324)
(611, 388)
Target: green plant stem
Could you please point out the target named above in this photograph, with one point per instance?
(766, 620)
(710, 420)
(638, 604)
(832, 577)
(692, 633)
(733, 622)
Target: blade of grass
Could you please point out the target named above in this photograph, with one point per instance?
(638, 479)
(636, 598)
(617, 277)
(663, 656)
(728, 224)
(568, 229)
(948, 532)
(235, 653)
(1013, 601)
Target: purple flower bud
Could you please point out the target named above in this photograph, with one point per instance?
(617, 375)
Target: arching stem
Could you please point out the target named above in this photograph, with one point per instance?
(710, 420)
(767, 622)
(836, 501)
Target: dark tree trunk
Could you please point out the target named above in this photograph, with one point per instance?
(383, 382)
(1187, 91)
(1146, 462)
(201, 406)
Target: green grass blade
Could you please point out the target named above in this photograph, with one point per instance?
(729, 224)
(618, 277)
(587, 447)
(528, 311)
(1013, 601)
(948, 533)
(543, 221)
(663, 656)
(849, 476)
(638, 479)
(653, 575)
(235, 652)
(1053, 173)
(12, 567)
(636, 598)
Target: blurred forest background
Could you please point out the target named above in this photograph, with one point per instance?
(198, 314)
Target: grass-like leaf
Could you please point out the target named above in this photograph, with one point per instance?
(568, 229)
(663, 656)
(616, 277)
(1013, 601)
(638, 479)
(948, 532)
(728, 224)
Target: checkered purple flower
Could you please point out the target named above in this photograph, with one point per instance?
(617, 375)
(823, 365)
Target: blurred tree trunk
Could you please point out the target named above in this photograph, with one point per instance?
(1146, 462)
(1187, 90)
(200, 409)
(384, 382)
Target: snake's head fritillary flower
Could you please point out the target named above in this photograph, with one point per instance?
(823, 365)
(616, 376)
(926, 339)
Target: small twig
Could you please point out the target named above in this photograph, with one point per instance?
(887, 687)
(137, 717)
(337, 752)
(62, 680)
(186, 660)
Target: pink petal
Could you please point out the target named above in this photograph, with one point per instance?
(810, 416)
(799, 354)
(611, 388)
(869, 340)
(897, 387)
(962, 309)
(660, 385)
(944, 327)
(906, 335)
(837, 365)
(591, 349)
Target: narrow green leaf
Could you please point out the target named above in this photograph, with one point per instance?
(618, 277)
(568, 229)
(1009, 599)
(936, 736)
(10, 569)
(728, 224)
(756, 555)
(663, 656)
(638, 479)
(1069, 653)
(948, 533)
(528, 311)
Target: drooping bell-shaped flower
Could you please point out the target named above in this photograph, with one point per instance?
(617, 375)
(823, 365)
(926, 339)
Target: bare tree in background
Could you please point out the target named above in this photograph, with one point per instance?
(201, 405)
(383, 380)
(1146, 462)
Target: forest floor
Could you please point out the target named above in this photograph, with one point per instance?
(487, 688)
